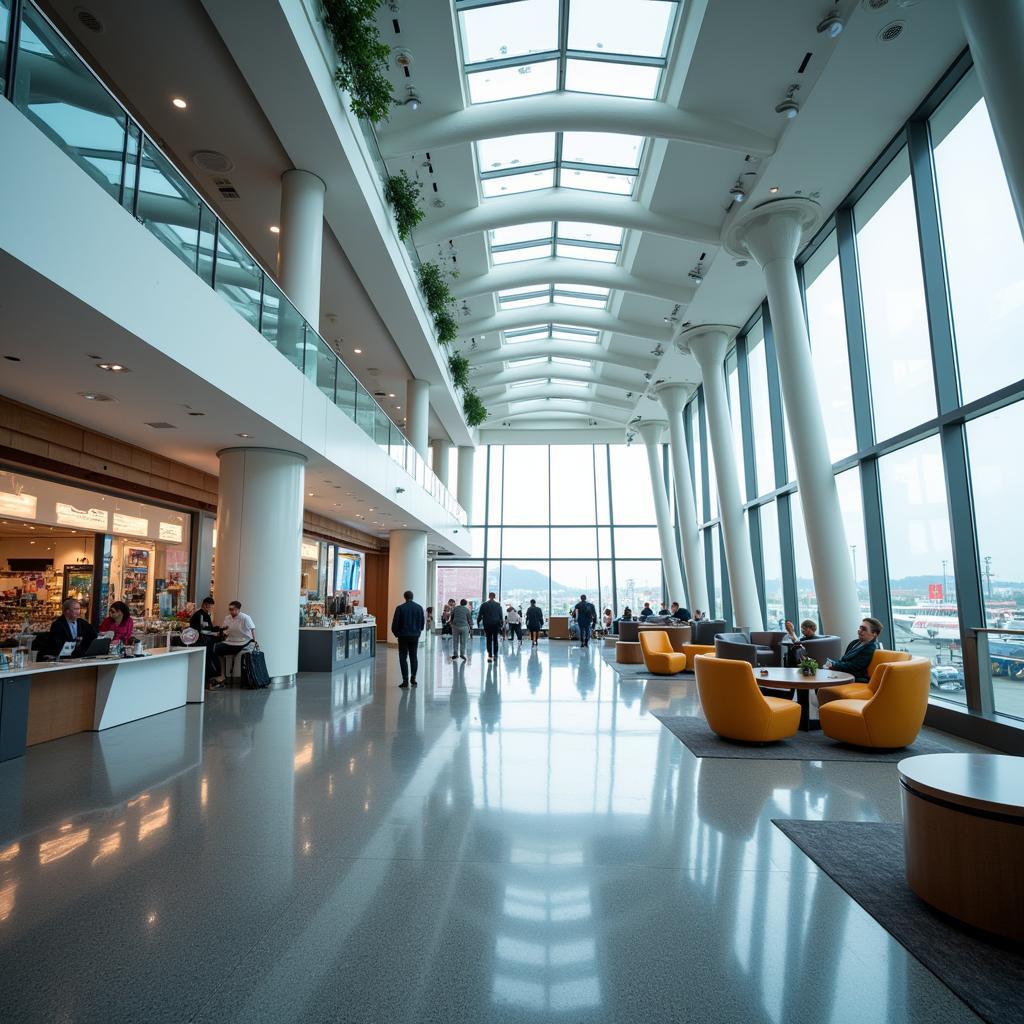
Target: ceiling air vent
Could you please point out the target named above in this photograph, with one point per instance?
(88, 20)
(226, 189)
(876, 5)
(891, 31)
(162, 426)
(212, 161)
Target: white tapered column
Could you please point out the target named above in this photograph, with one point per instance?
(995, 31)
(467, 456)
(417, 414)
(259, 539)
(673, 397)
(708, 345)
(651, 432)
(407, 570)
(300, 244)
(773, 234)
(440, 451)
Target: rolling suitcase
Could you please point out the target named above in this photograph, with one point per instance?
(254, 670)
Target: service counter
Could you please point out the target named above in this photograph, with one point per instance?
(328, 648)
(46, 700)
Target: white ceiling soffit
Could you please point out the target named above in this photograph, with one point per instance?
(484, 358)
(574, 316)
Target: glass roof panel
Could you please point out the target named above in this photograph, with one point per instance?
(637, 27)
(516, 151)
(602, 148)
(588, 289)
(522, 290)
(563, 383)
(527, 334)
(586, 252)
(525, 252)
(571, 361)
(509, 30)
(511, 184)
(590, 232)
(532, 383)
(562, 333)
(521, 233)
(606, 78)
(575, 300)
(508, 83)
(597, 181)
(528, 361)
(539, 300)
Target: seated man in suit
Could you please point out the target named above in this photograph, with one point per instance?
(857, 656)
(71, 627)
(680, 613)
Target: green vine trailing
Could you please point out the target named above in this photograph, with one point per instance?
(440, 301)
(403, 196)
(458, 364)
(362, 58)
(474, 408)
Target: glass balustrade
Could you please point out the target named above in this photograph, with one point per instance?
(56, 90)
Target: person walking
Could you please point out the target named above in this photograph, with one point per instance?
(534, 621)
(407, 624)
(586, 619)
(491, 617)
(461, 625)
(514, 622)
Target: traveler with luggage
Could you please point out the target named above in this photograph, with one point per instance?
(239, 634)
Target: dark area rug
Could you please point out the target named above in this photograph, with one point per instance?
(865, 859)
(634, 671)
(697, 736)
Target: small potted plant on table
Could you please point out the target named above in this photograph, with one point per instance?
(808, 667)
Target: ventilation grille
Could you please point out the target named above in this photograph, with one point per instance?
(89, 20)
(226, 189)
(876, 5)
(891, 31)
(162, 426)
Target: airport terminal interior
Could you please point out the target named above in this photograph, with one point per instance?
(507, 511)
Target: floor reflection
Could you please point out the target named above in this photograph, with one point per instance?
(512, 841)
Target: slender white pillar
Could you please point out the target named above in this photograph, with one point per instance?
(300, 244)
(467, 456)
(708, 345)
(994, 30)
(440, 451)
(259, 535)
(417, 414)
(651, 432)
(407, 570)
(673, 397)
(773, 234)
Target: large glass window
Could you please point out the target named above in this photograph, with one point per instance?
(695, 460)
(771, 559)
(711, 537)
(637, 582)
(525, 498)
(852, 508)
(571, 579)
(982, 240)
(732, 376)
(829, 354)
(892, 291)
(760, 409)
(806, 595)
(632, 497)
(572, 484)
(925, 615)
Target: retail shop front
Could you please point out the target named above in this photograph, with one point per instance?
(59, 541)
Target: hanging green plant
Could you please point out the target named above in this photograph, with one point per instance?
(434, 287)
(447, 326)
(474, 408)
(458, 364)
(403, 196)
(362, 58)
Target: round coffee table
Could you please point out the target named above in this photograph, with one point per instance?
(963, 835)
(794, 679)
(627, 653)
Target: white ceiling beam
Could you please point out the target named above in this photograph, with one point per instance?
(563, 205)
(499, 378)
(546, 347)
(572, 316)
(561, 270)
(568, 111)
(547, 393)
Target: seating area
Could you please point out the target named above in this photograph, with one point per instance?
(734, 706)
(660, 657)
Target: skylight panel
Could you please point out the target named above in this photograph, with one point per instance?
(521, 233)
(519, 254)
(534, 382)
(526, 361)
(587, 289)
(640, 28)
(603, 148)
(517, 29)
(590, 232)
(509, 83)
(608, 79)
(586, 252)
(563, 383)
(515, 151)
(521, 290)
(530, 300)
(597, 181)
(512, 184)
(571, 361)
(577, 300)
(560, 332)
(527, 334)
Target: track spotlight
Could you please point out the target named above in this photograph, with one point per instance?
(697, 274)
(738, 192)
(673, 317)
(832, 24)
(789, 105)
(412, 99)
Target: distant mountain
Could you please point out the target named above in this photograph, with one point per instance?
(515, 578)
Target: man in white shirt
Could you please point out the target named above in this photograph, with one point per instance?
(239, 633)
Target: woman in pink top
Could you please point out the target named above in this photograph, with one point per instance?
(119, 622)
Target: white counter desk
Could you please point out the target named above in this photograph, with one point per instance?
(46, 700)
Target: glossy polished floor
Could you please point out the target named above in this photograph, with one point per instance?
(520, 842)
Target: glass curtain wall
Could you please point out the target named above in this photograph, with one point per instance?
(914, 295)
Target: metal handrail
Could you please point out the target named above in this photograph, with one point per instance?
(431, 480)
(995, 629)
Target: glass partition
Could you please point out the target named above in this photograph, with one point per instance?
(167, 206)
(237, 277)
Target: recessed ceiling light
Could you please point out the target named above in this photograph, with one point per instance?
(243, 435)
(114, 367)
(179, 102)
(94, 396)
(311, 494)
(274, 229)
(358, 351)
(398, 407)
(391, 395)
(773, 189)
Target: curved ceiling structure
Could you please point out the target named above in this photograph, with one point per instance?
(570, 315)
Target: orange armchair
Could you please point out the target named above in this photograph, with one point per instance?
(893, 715)
(659, 656)
(862, 691)
(734, 706)
(692, 650)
